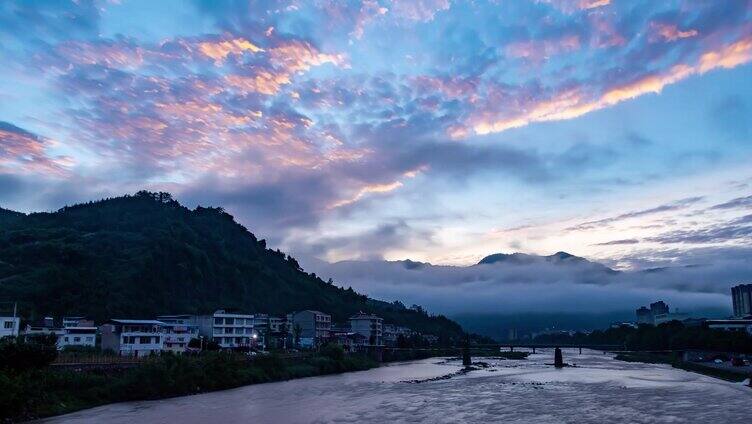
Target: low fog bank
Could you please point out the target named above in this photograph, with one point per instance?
(541, 285)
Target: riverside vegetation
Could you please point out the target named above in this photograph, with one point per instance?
(31, 389)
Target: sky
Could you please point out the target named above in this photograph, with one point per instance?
(433, 130)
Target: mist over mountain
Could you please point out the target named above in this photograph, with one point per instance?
(529, 291)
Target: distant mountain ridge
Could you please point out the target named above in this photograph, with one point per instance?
(144, 255)
(522, 258)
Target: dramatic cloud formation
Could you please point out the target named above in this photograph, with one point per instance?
(431, 129)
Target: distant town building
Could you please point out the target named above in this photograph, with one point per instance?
(10, 323)
(658, 313)
(350, 341)
(430, 339)
(512, 334)
(644, 316)
(77, 336)
(179, 330)
(730, 325)
(315, 327)
(45, 326)
(276, 325)
(389, 333)
(82, 321)
(368, 325)
(83, 333)
(668, 317)
(741, 297)
(659, 308)
(229, 330)
(133, 337)
(9, 326)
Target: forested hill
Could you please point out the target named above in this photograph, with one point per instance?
(143, 255)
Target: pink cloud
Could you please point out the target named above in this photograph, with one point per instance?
(24, 152)
(660, 31)
(575, 102)
(539, 50)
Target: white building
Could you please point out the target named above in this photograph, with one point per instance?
(133, 337)
(229, 330)
(9, 326)
(179, 330)
(76, 336)
(368, 325)
(80, 333)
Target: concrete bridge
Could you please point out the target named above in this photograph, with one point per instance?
(532, 346)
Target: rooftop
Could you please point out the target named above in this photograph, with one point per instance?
(136, 321)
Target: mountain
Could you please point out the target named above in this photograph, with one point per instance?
(143, 255)
(558, 258)
(525, 259)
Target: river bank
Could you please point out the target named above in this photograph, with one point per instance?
(47, 392)
(676, 362)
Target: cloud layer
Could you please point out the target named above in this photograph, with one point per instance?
(393, 128)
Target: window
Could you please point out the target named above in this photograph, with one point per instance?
(90, 339)
(229, 320)
(8, 324)
(66, 339)
(76, 339)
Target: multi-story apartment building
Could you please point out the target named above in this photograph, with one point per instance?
(315, 327)
(133, 337)
(741, 297)
(229, 330)
(368, 325)
(178, 332)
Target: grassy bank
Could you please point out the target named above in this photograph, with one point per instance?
(676, 362)
(45, 392)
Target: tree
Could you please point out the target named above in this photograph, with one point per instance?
(19, 354)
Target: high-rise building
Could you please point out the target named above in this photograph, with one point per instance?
(644, 316)
(741, 297)
(659, 308)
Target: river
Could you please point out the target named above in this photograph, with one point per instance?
(598, 390)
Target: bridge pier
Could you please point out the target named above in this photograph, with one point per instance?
(511, 348)
(533, 349)
(558, 359)
(580, 351)
(466, 360)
